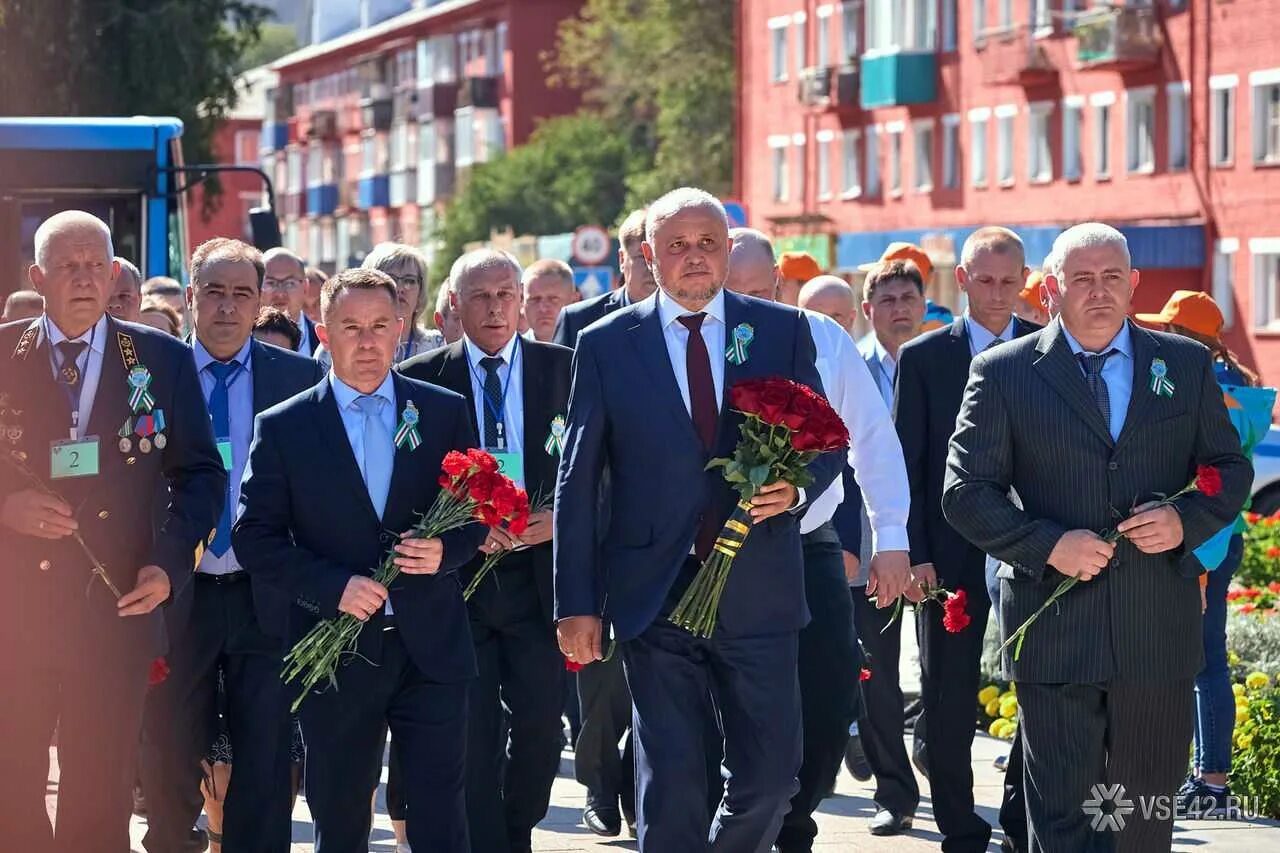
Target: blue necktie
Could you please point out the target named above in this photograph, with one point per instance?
(494, 401)
(220, 411)
(1093, 365)
(379, 452)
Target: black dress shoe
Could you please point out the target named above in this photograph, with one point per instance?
(855, 760)
(602, 821)
(887, 823)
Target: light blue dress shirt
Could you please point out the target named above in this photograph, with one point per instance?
(89, 362)
(513, 403)
(677, 340)
(980, 337)
(1117, 373)
(240, 410)
(353, 418)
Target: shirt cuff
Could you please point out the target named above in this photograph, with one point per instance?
(889, 539)
(800, 501)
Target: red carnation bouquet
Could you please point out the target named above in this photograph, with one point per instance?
(787, 425)
(955, 608)
(471, 489)
(1208, 481)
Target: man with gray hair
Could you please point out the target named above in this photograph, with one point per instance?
(126, 301)
(446, 318)
(648, 385)
(285, 287)
(1092, 421)
(548, 288)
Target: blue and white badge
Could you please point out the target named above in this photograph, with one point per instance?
(1161, 385)
(743, 335)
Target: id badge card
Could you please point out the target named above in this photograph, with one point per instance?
(510, 465)
(73, 458)
(224, 450)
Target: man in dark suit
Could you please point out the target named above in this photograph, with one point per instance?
(650, 402)
(1083, 420)
(637, 284)
(222, 623)
(517, 392)
(932, 371)
(106, 414)
(318, 530)
(284, 286)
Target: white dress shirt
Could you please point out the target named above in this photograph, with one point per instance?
(240, 416)
(677, 338)
(874, 450)
(89, 364)
(980, 337)
(511, 375)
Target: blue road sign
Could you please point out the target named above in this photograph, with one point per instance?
(592, 281)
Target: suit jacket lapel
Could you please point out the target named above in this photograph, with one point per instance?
(961, 355)
(648, 339)
(260, 371)
(537, 421)
(341, 457)
(455, 374)
(1142, 399)
(111, 400)
(735, 311)
(1061, 370)
(402, 474)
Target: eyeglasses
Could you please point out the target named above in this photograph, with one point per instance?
(287, 285)
(407, 282)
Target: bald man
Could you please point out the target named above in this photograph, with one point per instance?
(109, 416)
(285, 287)
(828, 651)
(832, 297)
(22, 305)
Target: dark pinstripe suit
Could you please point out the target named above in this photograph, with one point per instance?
(1104, 680)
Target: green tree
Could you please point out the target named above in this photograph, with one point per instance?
(127, 57)
(276, 40)
(571, 171)
(662, 73)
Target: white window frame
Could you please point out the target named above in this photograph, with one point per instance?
(778, 52)
(850, 164)
(1222, 120)
(1265, 253)
(894, 130)
(979, 145)
(1039, 144)
(1102, 102)
(1261, 85)
(1224, 278)
(1041, 18)
(898, 25)
(822, 36)
(1072, 137)
(951, 151)
(780, 164)
(798, 21)
(872, 185)
(1005, 21)
(824, 139)
(1177, 96)
(464, 137)
(950, 26)
(1139, 150)
(850, 45)
(979, 20)
(924, 144)
(1006, 128)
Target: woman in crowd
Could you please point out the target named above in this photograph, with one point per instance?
(160, 315)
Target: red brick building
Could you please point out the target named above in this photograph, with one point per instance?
(869, 121)
(368, 134)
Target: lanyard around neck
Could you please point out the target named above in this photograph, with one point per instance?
(497, 410)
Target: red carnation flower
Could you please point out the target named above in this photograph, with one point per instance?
(1248, 608)
(481, 484)
(571, 666)
(455, 463)
(488, 516)
(483, 461)
(864, 674)
(1208, 481)
(1252, 593)
(1273, 552)
(158, 672)
(1232, 595)
(1274, 586)
(954, 617)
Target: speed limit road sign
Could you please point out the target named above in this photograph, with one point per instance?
(591, 245)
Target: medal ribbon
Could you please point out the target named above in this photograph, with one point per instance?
(407, 433)
(737, 351)
(554, 444)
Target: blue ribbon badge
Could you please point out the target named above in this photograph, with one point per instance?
(743, 335)
(1161, 386)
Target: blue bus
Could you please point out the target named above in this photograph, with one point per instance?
(127, 171)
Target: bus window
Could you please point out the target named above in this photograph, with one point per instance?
(179, 251)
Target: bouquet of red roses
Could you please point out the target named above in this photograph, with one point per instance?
(1208, 481)
(787, 425)
(471, 489)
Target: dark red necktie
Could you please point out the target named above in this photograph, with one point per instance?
(705, 413)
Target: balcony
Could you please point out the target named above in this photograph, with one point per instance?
(295, 204)
(438, 100)
(403, 187)
(324, 124)
(844, 87)
(1016, 57)
(373, 191)
(377, 113)
(898, 78)
(1118, 39)
(322, 199)
(478, 92)
(815, 86)
(275, 136)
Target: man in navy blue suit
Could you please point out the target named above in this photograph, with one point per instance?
(220, 623)
(328, 492)
(650, 402)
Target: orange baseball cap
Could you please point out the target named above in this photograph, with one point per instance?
(798, 265)
(1031, 293)
(1193, 310)
(900, 251)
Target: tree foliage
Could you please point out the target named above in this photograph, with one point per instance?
(127, 57)
(275, 40)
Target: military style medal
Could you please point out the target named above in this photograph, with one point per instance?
(407, 432)
(743, 335)
(140, 399)
(1160, 384)
(554, 444)
(126, 436)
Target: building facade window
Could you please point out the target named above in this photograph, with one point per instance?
(978, 121)
(778, 49)
(781, 174)
(1222, 119)
(849, 20)
(1176, 95)
(798, 25)
(1041, 17)
(822, 37)
(825, 140)
(1224, 278)
(951, 151)
(1266, 282)
(850, 172)
(1072, 145)
(1005, 116)
(901, 24)
(1140, 130)
(922, 131)
(1102, 104)
(949, 24)
(894, 131)
(979, 19)
(1006, 14)
(1266, 116)
(1039, 151)
(873, 160)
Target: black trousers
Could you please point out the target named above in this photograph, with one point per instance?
(521, 677)
(949, 681)
(345, 731)
(222, 633)
(829, 700)
(606, 772)
(1078, 736)
(880, 726)
(94, 698)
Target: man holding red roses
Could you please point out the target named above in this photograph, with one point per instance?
(1092, 422)
(650, 402)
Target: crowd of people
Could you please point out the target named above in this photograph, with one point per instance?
(196, 475)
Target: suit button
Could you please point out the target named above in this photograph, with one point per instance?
(1113, 466)
(45, 565)
(1115, 562)
(104, 515)
(131, 460)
